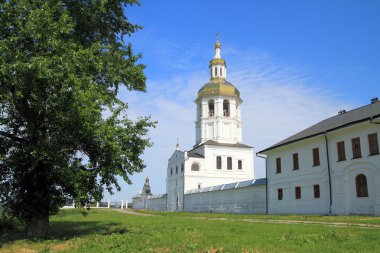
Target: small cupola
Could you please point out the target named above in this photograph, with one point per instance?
(218, 67)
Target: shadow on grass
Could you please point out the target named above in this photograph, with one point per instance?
(64, 230)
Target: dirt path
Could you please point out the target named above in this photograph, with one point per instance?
(130, 211)
(322, 223)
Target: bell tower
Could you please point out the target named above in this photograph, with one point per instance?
(218, 106)
(218, 66)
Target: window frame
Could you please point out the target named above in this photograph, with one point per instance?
(361, 184)
(341, 151)
(297, 192)
(280, 194)
(373, 144)
(218, 162)
(296, 165)
(211, 108)
(316, 157)
(226, 108)
(278, 165)
(317, 191)
(229, 163)
(356, 148)
(240, 165)
(192, 166)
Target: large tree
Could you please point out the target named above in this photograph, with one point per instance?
(64, 133)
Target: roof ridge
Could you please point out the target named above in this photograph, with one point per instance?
(332, 123)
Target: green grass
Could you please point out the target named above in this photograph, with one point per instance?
(112, 231)
(375, 220)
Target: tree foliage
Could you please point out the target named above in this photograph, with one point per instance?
(63, 130)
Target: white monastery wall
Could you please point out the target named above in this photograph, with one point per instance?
(157, 203)
(138, 204)
(240, 200)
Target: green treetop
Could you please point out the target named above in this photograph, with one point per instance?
(63, 131)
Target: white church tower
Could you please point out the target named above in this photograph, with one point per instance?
(218, 106)
(218, 156)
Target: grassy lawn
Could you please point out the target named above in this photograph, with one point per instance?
(311, 218)
(112, 231)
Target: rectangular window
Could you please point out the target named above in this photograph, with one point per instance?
(229, 163)
(240, 164)
(316, 161)
(356, 150)
(298, 192)
(278, 165)
(279, 194)
(219, 162)
(341, 151)
(295, 162)
(373, 144)
(220, 71)
(316, 191)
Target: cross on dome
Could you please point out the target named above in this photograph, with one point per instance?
(218, 66)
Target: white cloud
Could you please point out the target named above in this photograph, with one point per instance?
(278, 102)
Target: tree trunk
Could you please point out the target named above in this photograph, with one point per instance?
(38, 227)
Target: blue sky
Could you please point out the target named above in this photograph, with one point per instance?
(294, 62)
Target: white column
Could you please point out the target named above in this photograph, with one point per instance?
(122, 204)
(97, 204)
(109, 203)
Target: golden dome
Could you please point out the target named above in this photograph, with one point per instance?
(218, 61)
(217, 44)
(218, 86)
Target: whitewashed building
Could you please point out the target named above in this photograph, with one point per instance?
(219, 156)
(332, 167)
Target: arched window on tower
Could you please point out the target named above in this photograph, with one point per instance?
(211, 108)
(220, 72)
(226, 108)
(216, 71)
(195, 167)
(361, 186)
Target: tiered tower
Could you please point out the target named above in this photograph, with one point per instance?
(218, 106)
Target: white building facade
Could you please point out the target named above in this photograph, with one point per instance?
(332, 167)
(218, 157)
